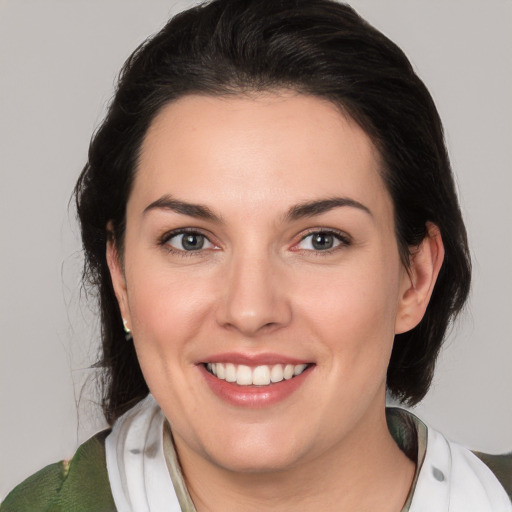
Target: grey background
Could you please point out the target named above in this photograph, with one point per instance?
(58, 61)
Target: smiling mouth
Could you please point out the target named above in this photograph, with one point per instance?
(262, 375)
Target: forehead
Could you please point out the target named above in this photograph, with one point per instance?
(263, 149)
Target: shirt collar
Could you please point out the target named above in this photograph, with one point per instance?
(145, 474)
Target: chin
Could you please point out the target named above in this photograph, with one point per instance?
(257, 452)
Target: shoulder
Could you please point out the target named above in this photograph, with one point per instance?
(476, 481)
(501, 466)
(80, 484)
(449, 473)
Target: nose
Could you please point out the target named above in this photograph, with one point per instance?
(255, 298)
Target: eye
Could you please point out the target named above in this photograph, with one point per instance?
(188, 241)
(322, 241)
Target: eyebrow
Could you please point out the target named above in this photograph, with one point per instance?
(197, 211)
(312, 208)
(299, 211)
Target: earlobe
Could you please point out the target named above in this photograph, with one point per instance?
(118, 278)
(418, 282)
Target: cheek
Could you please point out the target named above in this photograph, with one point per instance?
(353, 310)
(167, 308)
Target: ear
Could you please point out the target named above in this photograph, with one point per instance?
(419, 279)
(117, 276)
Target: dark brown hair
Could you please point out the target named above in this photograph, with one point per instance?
(316, 47)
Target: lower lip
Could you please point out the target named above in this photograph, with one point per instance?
(254, 396)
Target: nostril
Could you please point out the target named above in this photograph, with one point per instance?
(253, 319)
(253, 300)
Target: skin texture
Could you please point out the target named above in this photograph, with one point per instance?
(258, 286)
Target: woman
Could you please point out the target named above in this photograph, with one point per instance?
(269, 215)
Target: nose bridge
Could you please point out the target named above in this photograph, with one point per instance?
(254, 298)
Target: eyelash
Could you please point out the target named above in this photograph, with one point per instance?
(343, 239)
(166, 237)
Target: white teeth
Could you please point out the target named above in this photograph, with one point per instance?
(299, 368)
(262, 375)
(243, 375)
(221, 371)
(276, 374)
(230, 372)
(288, 371)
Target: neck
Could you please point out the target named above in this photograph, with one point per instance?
(366, 471)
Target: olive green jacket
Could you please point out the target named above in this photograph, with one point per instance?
(78, 485)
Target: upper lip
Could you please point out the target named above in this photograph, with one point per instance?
(254, 359)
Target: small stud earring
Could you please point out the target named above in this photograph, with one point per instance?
(127, 331)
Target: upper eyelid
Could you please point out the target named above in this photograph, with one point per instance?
(331, 231)
(345, 240)
(164, 242)
(165, 237)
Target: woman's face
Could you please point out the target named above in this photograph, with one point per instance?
(260, 244)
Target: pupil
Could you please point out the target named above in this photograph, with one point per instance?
(322, 241)
(192, 242)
